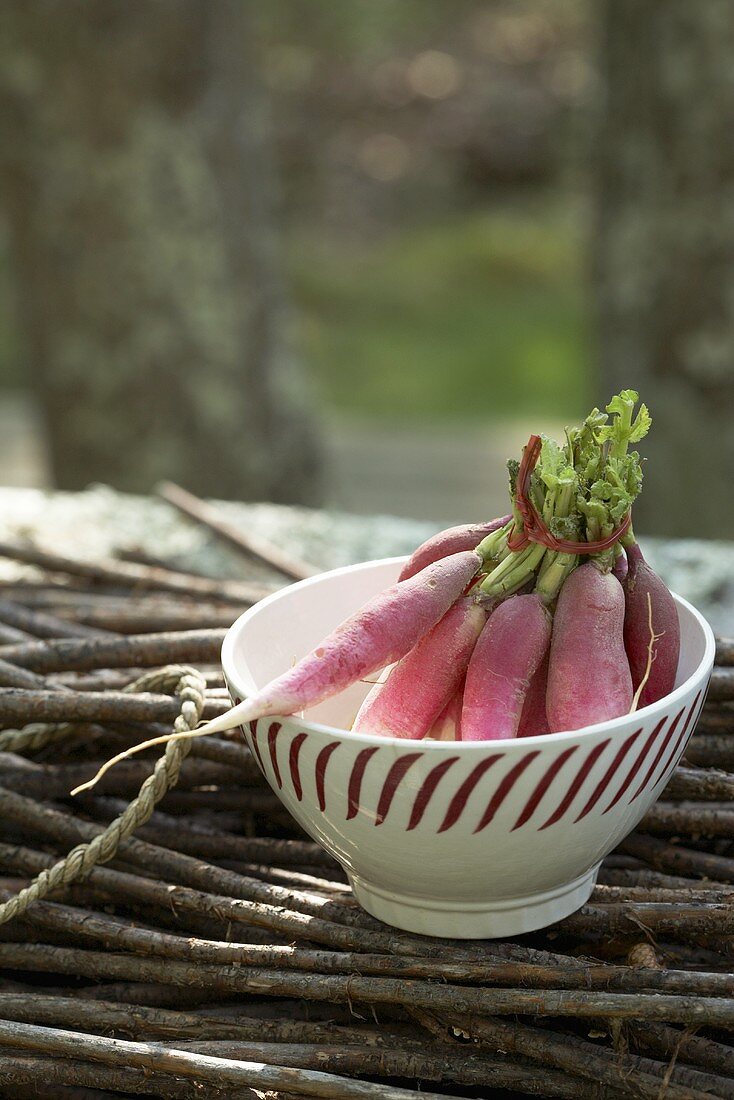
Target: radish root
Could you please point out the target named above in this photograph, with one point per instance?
(650, 657)
(162, 740)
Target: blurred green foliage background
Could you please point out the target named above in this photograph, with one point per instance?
(477, 317)
(431, 203)
(352, 253)
(437, 197)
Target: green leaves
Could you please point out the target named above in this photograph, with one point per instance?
(605, 476)
(610, 476)
(623, 430)
(623, 401)
(554, 467)
(619, 487)
(584, 488)
(513, 470)
(566, 527)
(585, 444)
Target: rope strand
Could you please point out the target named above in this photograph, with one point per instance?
(189, 686)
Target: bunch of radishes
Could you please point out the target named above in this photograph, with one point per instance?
(545, 620)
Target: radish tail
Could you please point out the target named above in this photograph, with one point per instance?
(239, 715)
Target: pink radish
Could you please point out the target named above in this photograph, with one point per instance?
(643, 582)
(447, 726)
(533, 719)
(454, 539)
(620, 567)
(509, 651)
(420, 685)
(377, 687)
(382, 631)
(589, 676)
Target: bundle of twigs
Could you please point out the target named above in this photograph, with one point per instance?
(220, 954)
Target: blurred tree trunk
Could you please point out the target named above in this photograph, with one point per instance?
(665, 248)
(139, 205)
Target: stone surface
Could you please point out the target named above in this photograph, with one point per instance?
(101, 521)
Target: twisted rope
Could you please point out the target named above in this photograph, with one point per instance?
(34, 736)
(189, 686)
(37, 735)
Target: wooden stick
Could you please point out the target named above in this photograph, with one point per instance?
(154, 620)
(141, 1021)
(669, 857)
(74, 1079)
(70, 601)
(448, 1064)
(166, 933)
(46, 591)
(648, 879)
(698, 891)
(141, 650)
(689, 819)
(10, 636)
(56, 780)
(113, 679)
(700, 784)
(19, 706)
(303, 878)
(254, 902)
(42, 625)
(220, 1072)
(253, 546)
(135, 576)
(265, 1041)
(116, 933)
(667, 1041)
(174, 866)
(721, 686)
(15, 676)
(692, 956)
(676, 920)
(712, 723)
(70, 597)
(709, 750)
(138, 556)
(261, 802)
(719, 720)
(166, 829)
(576, 1056)
(213, 846)
(291, 922)
(154, 994)
(351, 989)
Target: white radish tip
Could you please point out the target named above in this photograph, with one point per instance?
(235, 716)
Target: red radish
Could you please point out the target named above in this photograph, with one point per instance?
(589, 676)
(454, 539)
(509, 651)
(533, 719)
(643, 582)
(377, 686)
(447, 726)
(382, 631)
(420, 685)
(620, 567)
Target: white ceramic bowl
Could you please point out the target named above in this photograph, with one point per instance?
(467, 840)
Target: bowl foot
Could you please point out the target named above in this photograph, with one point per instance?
(474, 920)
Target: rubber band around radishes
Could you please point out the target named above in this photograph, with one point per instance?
(535, 529)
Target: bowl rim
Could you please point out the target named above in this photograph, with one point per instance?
(229, 668)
